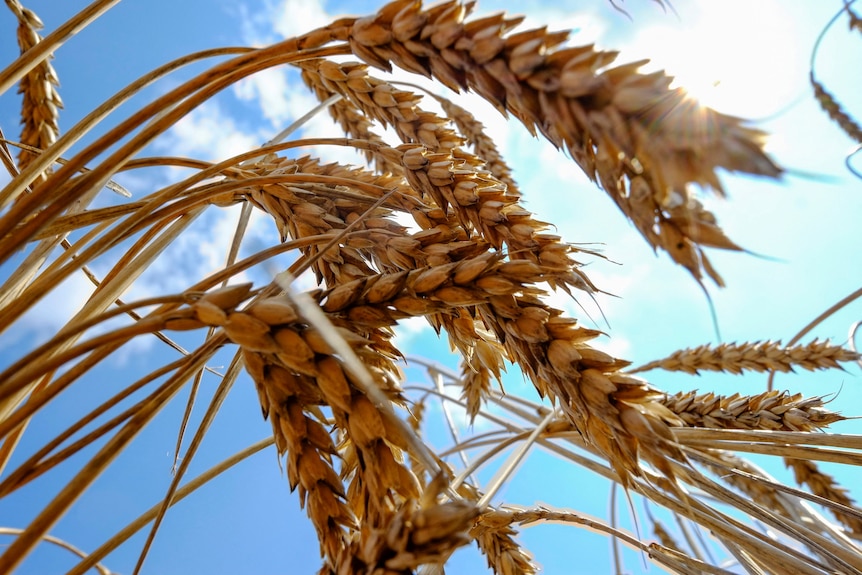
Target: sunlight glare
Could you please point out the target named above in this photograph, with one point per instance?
(726, 54)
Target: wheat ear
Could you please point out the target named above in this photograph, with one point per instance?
(772, 410)
(759, 356)
(41, 101)
(642, 141)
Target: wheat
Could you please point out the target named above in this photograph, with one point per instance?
(642, 141)
(756, 356)
(773, 410)
(478, 266)
(807, 473)
(833, 108)
(495, 537)
(483, 145)
(41, 101)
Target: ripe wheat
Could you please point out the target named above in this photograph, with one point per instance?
(474, 263)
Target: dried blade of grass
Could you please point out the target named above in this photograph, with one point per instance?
(168, 108)
(836, 440)
(826, 549)
(792, 451)
(450, 423)
(218, 398)
(62, 145)
(130, 266)
(59, 543)
(497, 447)
(37, 151)
(23, 273)
(58, 506)
(302, 120)
(233, 252)
(23, 376)
(517, 456)
(129, 530)
(530, 517)
(40, 462)
(97, 303)
(803, 515)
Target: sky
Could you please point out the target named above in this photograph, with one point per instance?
(743, 57)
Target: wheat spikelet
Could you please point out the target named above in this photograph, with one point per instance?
(807, 473)
(413, 536)
(756, 356)
(41, 101)
(771, 410)
(834, 110)
(355, 124)
(495, 537)
(294, 371)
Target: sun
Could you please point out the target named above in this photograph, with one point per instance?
(725, 54)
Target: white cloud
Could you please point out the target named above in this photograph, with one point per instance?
(295, 17)
(208, 133)
(279, 20)
(271, 90)
(408, 331)
(45, 318)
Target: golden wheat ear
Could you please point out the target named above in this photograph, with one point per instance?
(41, 102)
(642, 141)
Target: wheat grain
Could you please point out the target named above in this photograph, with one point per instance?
(483, 145)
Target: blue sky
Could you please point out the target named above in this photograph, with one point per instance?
(748, 58)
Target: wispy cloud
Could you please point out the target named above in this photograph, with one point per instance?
(209, 133)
